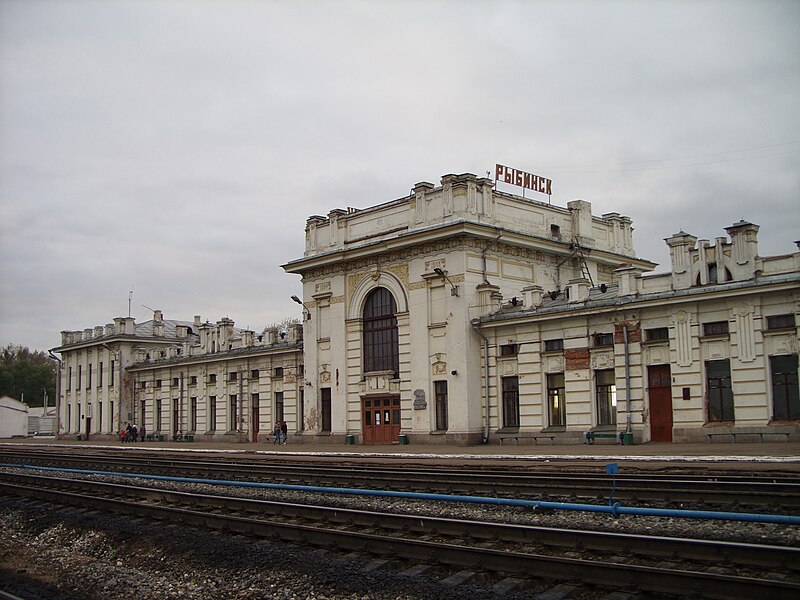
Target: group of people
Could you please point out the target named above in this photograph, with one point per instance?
(132, 433)
(281, 432)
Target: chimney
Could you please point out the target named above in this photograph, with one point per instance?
(578, 289)
(532, 296)
(628, 277)
(296, 332)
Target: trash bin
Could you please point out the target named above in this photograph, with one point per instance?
(350, 440)
(403, 440)
(627, 439)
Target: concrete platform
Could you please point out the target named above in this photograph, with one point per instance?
(759, 452)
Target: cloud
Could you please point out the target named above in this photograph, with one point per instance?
(179, 146)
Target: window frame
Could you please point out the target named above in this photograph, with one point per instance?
(556, 390)
(510, 397)
(380, 348)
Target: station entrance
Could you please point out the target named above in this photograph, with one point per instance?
(380, 418)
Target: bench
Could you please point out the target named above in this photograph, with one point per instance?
(154, 437)
(590, 436)
(734, 434)
(185, 437)
(516, 437)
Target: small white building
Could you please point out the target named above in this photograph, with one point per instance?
(13, 418)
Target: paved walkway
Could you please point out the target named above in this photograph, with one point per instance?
(711, 452)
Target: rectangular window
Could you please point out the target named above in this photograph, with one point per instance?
(556, 400)
(785, 394)
(193, 413)
(254, 374)
(158, 415)
(89, 377)
(606, 397)
(176, 381)
(510, 387)
(100, 375)
(158, 383)
(657, 334)
(111, 375)
(232, 376)
(509, 350)
(212, 413)
(232, 413)
(279, 406)
(212, 378)
(781, 322)
(143, 384)
(440, 393)
(80, 369)
(277, 372)
(193, 380)
(553, 345)
(719, 390)
(69, 379)
(603, 339)
(301, 370)
(715, 328)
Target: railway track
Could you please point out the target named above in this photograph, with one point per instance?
(608, 560)
(775, 493)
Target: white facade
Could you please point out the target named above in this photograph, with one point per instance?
(447, 255)
(461, 314)
(13, 418)
(177, 377)
(712, 350)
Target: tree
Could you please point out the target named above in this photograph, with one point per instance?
(27, 375)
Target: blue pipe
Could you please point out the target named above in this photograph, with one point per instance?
(616, 509)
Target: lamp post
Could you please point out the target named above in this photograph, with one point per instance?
(303, 304)
(443, 274)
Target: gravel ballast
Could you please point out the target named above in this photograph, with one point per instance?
(61, 554)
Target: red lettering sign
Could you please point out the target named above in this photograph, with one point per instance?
(523, 179)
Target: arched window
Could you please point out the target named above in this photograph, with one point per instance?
(381, 351)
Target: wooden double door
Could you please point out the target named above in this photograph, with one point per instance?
(380, 419)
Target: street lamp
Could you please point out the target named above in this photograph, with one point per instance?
(443, 274)
(303, 304)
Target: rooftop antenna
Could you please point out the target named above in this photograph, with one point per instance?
(152, 310)
(130, 297)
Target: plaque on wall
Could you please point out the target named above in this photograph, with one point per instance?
(419, 400)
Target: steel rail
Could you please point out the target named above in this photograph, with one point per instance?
(615, 575)
(630, 487)
(687, 548)
(364, 463)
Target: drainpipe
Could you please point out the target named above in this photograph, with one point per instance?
(476, 327)
(628, 428)
(58, 393)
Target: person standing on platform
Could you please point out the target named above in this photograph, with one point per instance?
(284, 431)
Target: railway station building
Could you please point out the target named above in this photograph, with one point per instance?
(461, 314)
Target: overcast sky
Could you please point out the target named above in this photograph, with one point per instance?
(177, 148)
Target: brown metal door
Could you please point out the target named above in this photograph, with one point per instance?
(254, 423)
(659, 391)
